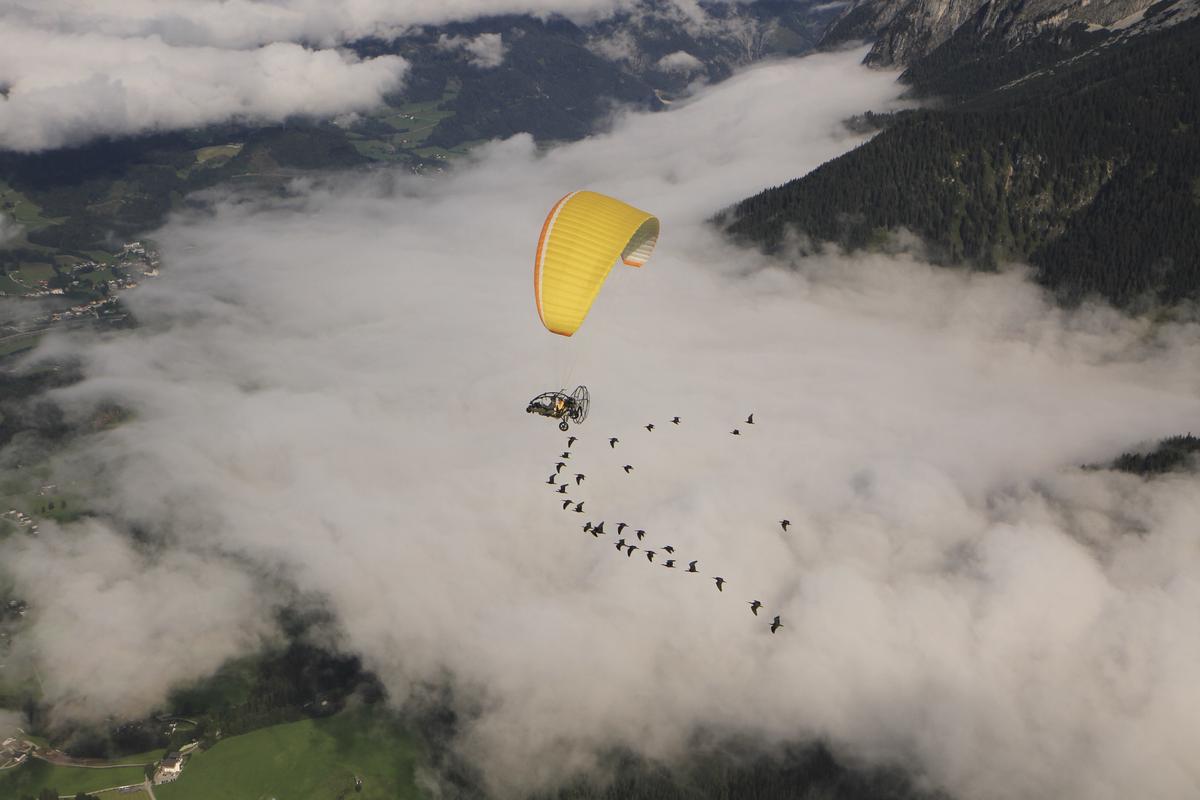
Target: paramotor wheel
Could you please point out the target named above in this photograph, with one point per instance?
(582, 402)
(562, 425)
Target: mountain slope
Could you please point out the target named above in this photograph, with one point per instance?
(906, 31)
(1089, 169)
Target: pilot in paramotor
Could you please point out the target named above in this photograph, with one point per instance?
(583, 236)
(562, 406)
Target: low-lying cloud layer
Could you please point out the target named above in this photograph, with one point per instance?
(329, 396)
(484, 51)
(327, 23)
(65, 89)
(73, 70)
(9, 228)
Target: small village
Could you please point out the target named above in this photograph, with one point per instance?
(15, 751)
(94, 287)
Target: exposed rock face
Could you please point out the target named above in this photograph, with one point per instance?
(907, 30)
(918, 27)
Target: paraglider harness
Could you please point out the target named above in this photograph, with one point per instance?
(562, 406)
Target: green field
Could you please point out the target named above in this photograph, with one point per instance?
(21, 208)
(138, 795)
(18, 343)
(220, 152)
(412, 124)
(310, 758)
(34, 775)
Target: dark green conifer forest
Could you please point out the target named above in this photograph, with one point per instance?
(1088, 170)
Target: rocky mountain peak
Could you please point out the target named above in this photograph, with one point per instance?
(904, 31)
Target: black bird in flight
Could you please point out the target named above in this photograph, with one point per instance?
(720, 584)
(650, 556)
(776, 624)
(750, 420)
(613, 442)
(579, 507)
(669, 563)
(597, 533)
(628, 468)
(620, 544)
(755, 606)
(571, 440)
(692, 566)
(587, 527)
(621, 526)
(565, 454)
(566, 503)
(579, 476)
(650, 427)
(551, 480)
(675, 420)
(600, 527)
(558, 467)
(736, 432)
(641, 534)
(629, 550)
(669, 549)
(783, 523)
(562, 489)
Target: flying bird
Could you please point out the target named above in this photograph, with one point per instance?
(675, 420)
(692, 566)
(669, 563)
(641, 534)
(750, 420)
(620, 544)
(558, 467)
(565, 454)
(776, 624)
(596, 533)
(629, 550)
(650, 556)
(628, 468)
(562, 489)
(579, 476)
(551, 480)
(613, 442)
(669, 549)
(720, 584)
(755, 606)
(579, 507)
(571, 440)
(650, 427)
(736, 432)
(566, 503)
(587, 527)
(600, 527)
(783, 523)
(621, 526)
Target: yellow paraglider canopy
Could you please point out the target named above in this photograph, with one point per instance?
(583, 236)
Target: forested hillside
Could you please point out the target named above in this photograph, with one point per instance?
(1169, 455)
(1089, 170)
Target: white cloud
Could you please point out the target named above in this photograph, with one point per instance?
(11, 724)
(330, 391)
(619, 46)
(248, 23)
(75, 70)
(485, 50)
(93, 583)
(65, 89)
(9, 228)
(680, 61)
